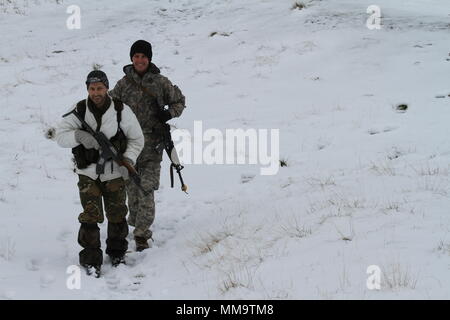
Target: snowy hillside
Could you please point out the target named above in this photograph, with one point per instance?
(365, 184)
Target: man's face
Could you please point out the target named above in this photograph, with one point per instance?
(140, 62)
(97, 92)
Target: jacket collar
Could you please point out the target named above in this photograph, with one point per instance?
(93, 108)
(151, 72)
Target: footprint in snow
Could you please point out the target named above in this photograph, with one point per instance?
(8, 295)
(64, 235)
(34, 264)
(112, 282)
(390, 128)
(46, 280)
(374, 131)
(247, 177)
(135, 284)
(134, 258)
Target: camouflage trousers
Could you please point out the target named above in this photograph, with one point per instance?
(142, 208)
(93, 193)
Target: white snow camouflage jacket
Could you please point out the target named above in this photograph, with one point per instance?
(65, 137)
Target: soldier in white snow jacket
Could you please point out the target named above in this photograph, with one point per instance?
(120, 125)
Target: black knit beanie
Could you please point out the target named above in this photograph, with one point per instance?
(97, 76)
(141, 46)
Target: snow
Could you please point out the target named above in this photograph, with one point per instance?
(365, 184)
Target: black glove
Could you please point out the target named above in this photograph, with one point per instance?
(164, 116)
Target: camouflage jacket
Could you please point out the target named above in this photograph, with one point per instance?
(144, 106)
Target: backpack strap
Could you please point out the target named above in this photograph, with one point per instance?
(118, 106)
(81, 108)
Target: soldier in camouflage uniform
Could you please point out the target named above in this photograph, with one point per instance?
(147, 92)
(102, 114)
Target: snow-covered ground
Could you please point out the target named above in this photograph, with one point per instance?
(364, 185)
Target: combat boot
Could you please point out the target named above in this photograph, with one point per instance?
(92, 269)
(115, 261)
(141, 244)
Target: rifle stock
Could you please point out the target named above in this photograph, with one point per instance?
(173, 157)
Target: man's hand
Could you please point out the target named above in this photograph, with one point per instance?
(124, 171)
(86, 139)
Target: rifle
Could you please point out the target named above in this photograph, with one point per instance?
(108, 151)
(168, 145)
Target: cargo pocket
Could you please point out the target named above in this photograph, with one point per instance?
(91, 200)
